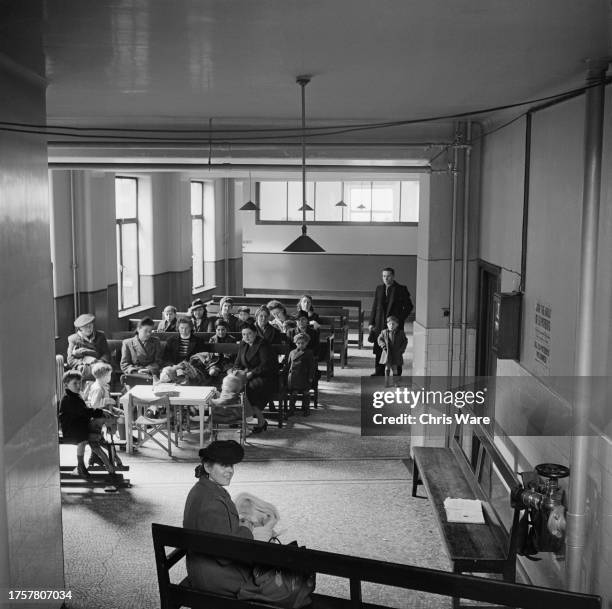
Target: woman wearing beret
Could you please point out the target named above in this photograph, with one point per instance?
(210, 508)
(87, 346)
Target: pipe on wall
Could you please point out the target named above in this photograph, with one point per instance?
(453, 259)
(74, 262)
(585, 328)
(226, 206)
(465, 260)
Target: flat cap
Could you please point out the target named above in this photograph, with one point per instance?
(83, 320)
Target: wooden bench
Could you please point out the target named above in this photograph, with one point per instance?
(357, 570)
(447, 472)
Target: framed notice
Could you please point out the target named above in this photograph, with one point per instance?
(542, 319)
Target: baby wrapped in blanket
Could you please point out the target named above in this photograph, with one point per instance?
(263, 516)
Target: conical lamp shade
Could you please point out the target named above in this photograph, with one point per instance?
(304, 244)
(361, 206)
(305, 207)
(249, 206)
(341, 204)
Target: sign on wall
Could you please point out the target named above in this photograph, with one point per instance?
(542, 319)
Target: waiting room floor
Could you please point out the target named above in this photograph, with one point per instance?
(335, 491)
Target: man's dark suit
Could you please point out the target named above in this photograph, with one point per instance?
(394, 301)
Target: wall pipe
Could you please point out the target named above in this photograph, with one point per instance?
(585, 328)
(526, 187)
(232, 167)
(226, 238)
(465, 260)
(74, 263)
(453, 259)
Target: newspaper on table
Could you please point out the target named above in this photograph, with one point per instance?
(168, 389)
(464, 510)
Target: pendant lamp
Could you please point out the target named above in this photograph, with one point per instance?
(249, 205)
(304, 243)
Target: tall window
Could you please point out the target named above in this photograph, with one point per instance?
(365, 202)
(197, 233)
(126, 214)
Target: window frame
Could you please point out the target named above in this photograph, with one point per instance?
(345, 222)
(119, 224)
(200, 216)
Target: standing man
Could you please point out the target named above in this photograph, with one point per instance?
(390, 298)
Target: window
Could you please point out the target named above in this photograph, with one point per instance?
(366, 202)
(126, 214)
(197, 233)
(203, 234)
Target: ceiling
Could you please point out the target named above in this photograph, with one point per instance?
(182, 62)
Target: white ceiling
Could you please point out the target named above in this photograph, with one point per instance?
(181, 62)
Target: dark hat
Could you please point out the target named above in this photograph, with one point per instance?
(227, 452)
(244, 310)
(83, 320)
(196, 304)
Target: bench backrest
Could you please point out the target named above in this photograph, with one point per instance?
(356, 570)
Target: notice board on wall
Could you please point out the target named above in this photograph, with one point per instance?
(542, 320)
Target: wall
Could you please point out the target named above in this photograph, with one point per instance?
(30, 504)
(351, 264)
(164, 246)
(552, 276)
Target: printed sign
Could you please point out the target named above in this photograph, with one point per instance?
(542, 336)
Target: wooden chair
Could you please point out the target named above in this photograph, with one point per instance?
(149, 427)
(217, 422)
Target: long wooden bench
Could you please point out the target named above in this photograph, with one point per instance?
(447, 472)
(175, 594)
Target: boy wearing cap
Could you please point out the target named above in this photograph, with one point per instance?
(198, 315)
(244, 318)
(87, 346)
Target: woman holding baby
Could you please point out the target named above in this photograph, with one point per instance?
(210, 508)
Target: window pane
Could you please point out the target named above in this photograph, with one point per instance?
(295, 200)
(327, 194)
(410, 201)
(126, 197)
(273, 201)
(358, 201)
(130, 264)
(197, 197)
(382, 203)
(197, 243)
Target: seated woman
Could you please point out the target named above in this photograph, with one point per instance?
(221, 362)
(305, 304)
(279, 315)
(87, 346)
(256, 357)
(179, 349)
(225, 314)
(210, 508)
(198, 316)
(168, 323)
(264, 329)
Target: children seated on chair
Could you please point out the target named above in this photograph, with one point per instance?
(82, 425)
(220, 363)
(226, 404)
(300, 368)
(393, 343)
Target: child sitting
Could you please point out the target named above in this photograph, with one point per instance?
(393, 343)
(226, 407)
(300, 368)
(81, 425)
(304, 327)
(220, 363)
(244, 318)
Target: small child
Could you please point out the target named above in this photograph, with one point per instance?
(244, 318)
(300, 368)
(220, 363)
(226, 407)
(393, 343)
(304, 327)
(81, 425)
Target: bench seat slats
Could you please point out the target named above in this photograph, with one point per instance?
(443, 476)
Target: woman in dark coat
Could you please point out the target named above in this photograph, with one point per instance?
(265, 329)
(256, 357)
(210, 508)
